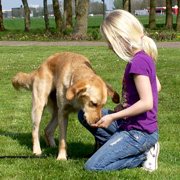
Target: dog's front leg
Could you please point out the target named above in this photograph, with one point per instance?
(63, 122)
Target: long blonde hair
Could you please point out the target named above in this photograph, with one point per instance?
(125, 34)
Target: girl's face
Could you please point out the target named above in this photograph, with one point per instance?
(111, 48)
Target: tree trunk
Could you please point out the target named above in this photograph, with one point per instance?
(67, 18)
(27, 19)
(152, 15)
(169, 16)
(127, 5)
(69, 14)
(178, 16)
(76, 5)
(64, 16)
(1, 18)
(46, 16)
(82, 10)
(57, 14)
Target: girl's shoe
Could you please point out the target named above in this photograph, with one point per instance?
(151, 163)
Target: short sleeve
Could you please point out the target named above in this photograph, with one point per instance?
(140, 66)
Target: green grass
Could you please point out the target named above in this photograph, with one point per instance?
(15, 29)
(16, 125)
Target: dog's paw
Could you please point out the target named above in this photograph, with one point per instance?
(53, 144)
(50, 142)
(62, 157)
(37, 152)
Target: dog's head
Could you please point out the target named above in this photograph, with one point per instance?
(91, 95)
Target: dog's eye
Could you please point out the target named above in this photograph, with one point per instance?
(93, 104)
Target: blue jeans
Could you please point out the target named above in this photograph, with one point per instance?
(121, 149)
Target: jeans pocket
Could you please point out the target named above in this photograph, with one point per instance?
(140, 140)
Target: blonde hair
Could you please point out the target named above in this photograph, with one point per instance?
(125, 34)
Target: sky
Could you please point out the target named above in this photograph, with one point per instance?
(8, 4)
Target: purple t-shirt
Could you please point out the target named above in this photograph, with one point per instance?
(141, 64)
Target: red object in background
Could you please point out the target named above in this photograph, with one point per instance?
(162, 10)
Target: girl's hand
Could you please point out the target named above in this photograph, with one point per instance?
(104, 122)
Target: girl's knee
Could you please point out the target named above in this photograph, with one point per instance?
(88, 166)
(80, 115)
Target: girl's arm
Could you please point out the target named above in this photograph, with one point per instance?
(144, 104)
(158, 84)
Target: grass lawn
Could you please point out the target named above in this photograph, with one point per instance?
(16, 125)
(15, 29)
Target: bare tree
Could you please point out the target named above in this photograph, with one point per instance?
(69, 14)
(152, 15)
(46, 19)
(67, 17)
(82, 10)
(27, 18)
(97, 7)
(1, 18)
(178, 16)
(57, 14)
(76, 5)
(169, 16)
(64, 16)
(127, 5)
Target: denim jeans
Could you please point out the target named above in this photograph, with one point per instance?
(121, 149)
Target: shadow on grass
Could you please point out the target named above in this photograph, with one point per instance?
(74, 151)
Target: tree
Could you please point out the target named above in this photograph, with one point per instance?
(118, 4)
(169, 16)
(67, 16)
(46, 16)
(1, 18)
(160, 3)
(64, 16)
(127, 5)
(178, 16)
(27, 18)
(57, 14)
(152, 15)
(69, 23)
(96, 8)
(82, 11)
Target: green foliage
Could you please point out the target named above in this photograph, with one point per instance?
(16, 125)
(118, 4)
(15, 30)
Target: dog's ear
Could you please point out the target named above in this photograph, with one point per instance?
(78, 87)
(112, 93)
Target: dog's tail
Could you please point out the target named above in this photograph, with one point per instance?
(23, 80)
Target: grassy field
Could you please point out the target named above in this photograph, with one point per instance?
(16, 125)
(15, 29)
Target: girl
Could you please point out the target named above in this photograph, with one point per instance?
(129, 134)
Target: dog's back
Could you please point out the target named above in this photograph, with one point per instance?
(56, 66)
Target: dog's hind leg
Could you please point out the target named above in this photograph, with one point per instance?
(49, 131)
(51, 127)
(40, 96)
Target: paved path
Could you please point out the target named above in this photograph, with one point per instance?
(75, 43)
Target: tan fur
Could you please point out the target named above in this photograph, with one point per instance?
(64, 82)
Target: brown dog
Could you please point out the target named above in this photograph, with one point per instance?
(64, 82)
